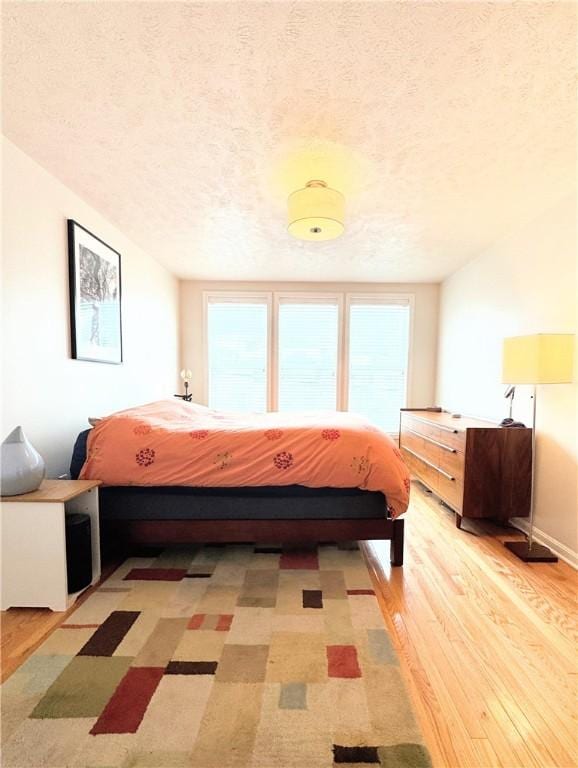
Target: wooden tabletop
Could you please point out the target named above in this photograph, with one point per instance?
(445, 419)
(57, 491)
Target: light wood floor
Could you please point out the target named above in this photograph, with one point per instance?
(488, 644)
(23, 630)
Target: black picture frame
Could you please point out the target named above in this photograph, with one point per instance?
(95, 290)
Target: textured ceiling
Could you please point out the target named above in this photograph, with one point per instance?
(188, 124)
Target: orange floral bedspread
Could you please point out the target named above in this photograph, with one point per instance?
(176, 443)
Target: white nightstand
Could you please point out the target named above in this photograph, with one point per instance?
(34, 543)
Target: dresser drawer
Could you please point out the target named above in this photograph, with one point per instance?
(451, 491)
(424, 446)
(421, 427)
(420, 469)
(453, 438)
(448, 436)
(453, 463)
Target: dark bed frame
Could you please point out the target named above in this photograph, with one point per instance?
(172, 523)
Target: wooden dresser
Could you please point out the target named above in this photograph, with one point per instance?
(476, 467)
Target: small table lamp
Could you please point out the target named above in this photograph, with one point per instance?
(186, 376)
(545, 358)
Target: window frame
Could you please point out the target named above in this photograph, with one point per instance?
(273, 299)
(308, 297)
(236, 297)
(404, 299)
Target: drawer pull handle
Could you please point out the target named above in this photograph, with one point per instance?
(448, 429)
(431, 440)
(425, 461)
(436, 424)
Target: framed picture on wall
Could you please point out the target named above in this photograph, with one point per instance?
(95, 290)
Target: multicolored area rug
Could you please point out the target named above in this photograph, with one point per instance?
(240, 656)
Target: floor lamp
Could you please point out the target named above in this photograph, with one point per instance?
(545, 358)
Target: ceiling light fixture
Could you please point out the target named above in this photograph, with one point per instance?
(316, 212)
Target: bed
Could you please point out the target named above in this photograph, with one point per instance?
(177, 472)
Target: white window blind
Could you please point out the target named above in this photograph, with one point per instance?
(378, 358)
(237, 355)
(308, 346)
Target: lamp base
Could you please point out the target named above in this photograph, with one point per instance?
(534, 554)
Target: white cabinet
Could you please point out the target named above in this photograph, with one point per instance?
(33, 542)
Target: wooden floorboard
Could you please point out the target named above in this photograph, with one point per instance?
(23, 630)
(487, 644)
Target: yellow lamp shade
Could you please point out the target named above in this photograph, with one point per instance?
(316, 212)
(545, 358)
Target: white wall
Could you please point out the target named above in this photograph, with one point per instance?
(425, 326)
(524, 284)
(45, 391)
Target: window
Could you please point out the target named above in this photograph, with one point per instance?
(308, 348)
(237, 347)
(305, 352)
(378, 357)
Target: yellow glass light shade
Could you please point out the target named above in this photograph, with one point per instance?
(316, 212)
(545, 358)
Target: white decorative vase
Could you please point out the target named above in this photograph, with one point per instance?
(22, 467)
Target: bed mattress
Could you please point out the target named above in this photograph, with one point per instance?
(292, 502)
